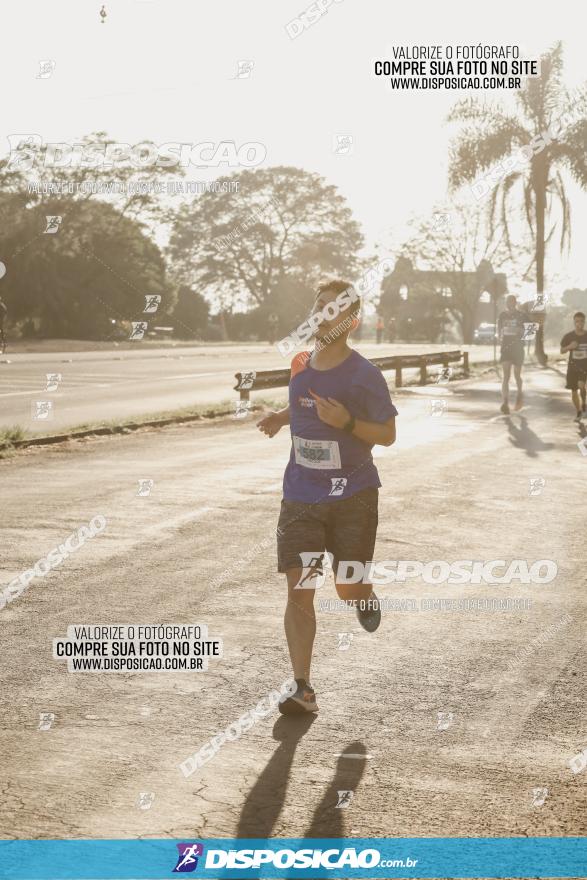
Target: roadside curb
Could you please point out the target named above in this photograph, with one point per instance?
(116, 429)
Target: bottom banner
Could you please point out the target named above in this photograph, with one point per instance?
(406, 857)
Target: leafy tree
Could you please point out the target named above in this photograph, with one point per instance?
(552, 127)
(98, 266)
(190, 316)
(268, 244)
(575, 299)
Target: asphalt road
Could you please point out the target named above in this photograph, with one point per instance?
(200, 549)
(101, 386)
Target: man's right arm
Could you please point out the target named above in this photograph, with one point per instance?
(273, 423)
(567, 344)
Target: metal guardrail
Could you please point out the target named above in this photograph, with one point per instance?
(255, 381)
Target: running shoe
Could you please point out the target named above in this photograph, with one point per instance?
(304, 700)
(369, 613)
(504, 408)
(578, 417)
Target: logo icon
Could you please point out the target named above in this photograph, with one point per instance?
(344, 800)
(42, 409)
(537, 484)
(46, 68)
(245, 383)
(539, 795)
(187, 860)
(444, 376)
(244, 69)
(152, 301)
(578, 762)
(445, 719)
(53, 380)
(338, 485)
(540, 301)
(145, 800)
(145, 487)
(345, 641)
(241, 409)
(46, 719)
(343, 144)
(438, 407)
(24, 149)
(139, 328)
(529, 332)
(53, 224)
(440, 220)
(315, 566)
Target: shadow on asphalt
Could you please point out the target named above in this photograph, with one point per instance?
(523, 437)
(327, 820)
(267, 796)
(265, 800)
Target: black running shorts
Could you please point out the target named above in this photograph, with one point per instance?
(512, 353)
(346, 528)
(575, 375)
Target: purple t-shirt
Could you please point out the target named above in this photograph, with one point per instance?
(328, 464)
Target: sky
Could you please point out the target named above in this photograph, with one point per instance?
(165, 70)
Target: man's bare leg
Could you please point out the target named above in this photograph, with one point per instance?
(300, 624)
(518, 377)
(505, 387)
(300, 630)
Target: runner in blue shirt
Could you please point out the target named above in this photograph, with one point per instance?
(339, 408)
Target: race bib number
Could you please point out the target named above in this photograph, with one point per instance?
(511, 328)
(580, 354)
(322, 454)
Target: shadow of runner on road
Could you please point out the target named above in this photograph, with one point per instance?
(266, 798)
(264, 802)
(327, 820)
(523, 437)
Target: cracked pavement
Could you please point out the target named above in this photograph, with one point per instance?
(453, 487)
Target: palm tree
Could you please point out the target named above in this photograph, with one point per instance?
(552, 130)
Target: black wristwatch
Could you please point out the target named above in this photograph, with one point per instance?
(350, 425)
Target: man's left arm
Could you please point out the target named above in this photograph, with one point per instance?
(335, 414)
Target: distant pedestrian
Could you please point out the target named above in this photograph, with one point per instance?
(575, 343)
(510, 327)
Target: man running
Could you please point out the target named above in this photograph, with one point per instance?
(575, 343)
(510, 328)
(339, 408)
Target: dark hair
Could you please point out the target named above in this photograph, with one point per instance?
(336, 286)
(579, 315)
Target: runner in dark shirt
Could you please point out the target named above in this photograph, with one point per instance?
(575, 343)
(510, 328)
